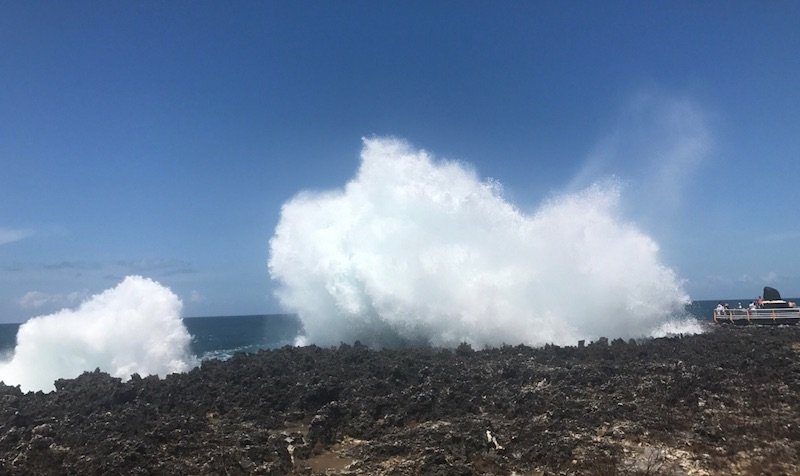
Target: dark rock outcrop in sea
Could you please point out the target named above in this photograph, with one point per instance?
(727, 401)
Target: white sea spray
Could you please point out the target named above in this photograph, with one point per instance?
(134, 327)
(678, 326)
(415, 249)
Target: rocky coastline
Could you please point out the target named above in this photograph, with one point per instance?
(723, 402)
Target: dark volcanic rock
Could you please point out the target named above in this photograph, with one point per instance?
(724, 402)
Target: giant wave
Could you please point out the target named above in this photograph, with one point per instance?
(419, 250)
(134, 327)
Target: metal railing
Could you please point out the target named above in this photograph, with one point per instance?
(780, 315)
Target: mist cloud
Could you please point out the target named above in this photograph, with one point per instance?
(657, 146)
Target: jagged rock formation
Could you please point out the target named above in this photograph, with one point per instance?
(723, 402)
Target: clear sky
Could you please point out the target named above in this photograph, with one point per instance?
(162, 138)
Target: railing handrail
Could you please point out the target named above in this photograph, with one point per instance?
(758, 313)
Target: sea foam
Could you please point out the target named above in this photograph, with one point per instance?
(419, 250)
(134, 327)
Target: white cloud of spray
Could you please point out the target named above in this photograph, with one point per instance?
(420, 250)
(134, 327)
(659, 144)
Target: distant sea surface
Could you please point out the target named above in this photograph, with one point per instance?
(215, 337)
(221, 337)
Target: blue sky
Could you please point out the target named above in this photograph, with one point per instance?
(162, 138)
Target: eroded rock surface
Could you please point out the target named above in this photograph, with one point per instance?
(727, 401)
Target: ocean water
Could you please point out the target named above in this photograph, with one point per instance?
(215, 337)
(220, 337)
